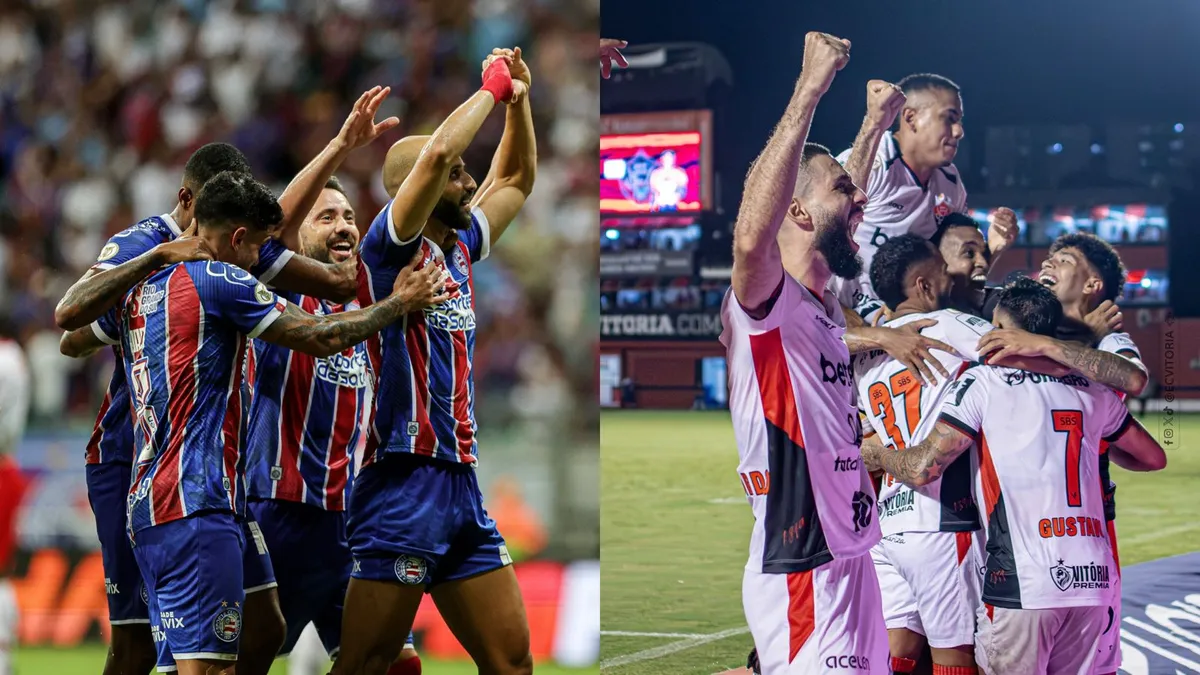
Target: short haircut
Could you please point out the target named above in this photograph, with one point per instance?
(926, 82)
(1032, 305)
(233, 199)
(810, 151)
(334, 184)
(1100, 255)
(210, 160)
(954, 219)
(891, 264)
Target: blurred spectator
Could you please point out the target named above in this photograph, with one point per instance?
(101, 102)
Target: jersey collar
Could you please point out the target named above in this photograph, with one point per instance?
(912, 174)
(171, 224)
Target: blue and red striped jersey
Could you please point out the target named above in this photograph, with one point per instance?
(183, 331)
(424, 392)
(112, 439)
(305, 418)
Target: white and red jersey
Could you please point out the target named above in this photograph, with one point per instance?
(1039, 441)
(791, 393)
(897, 204)
(903, 411)
(1121, 345)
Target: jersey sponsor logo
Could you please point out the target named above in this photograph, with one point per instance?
(455, 314)
(227, 624)
(841, 464)
(838, 372)
(898, 503)
(1071, 526)
(894, 538)
(110, 587)
(1016, 378)
(343, 371)
(411, 569)
(973, 322)
(168, 620)
(756, 483)
(149, 297)
(960, 389)
(862, 504)
(230, 273)
(879, 237)
(848, 662)
(895, 206)
(263, 296)
(1089, 576)
(110, 249)
(826, 322)
(157, 634)
(791, 533)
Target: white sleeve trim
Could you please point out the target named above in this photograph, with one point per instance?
(267, 320)
(101, 267)
(102, 336)
(485, 229)
(272, 271)
(391, 227)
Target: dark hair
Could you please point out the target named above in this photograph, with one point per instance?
(813, 150)
(925, 82)
(1100, 255)
(953, 219)
(890, 266)
(334, 184)
(232, 199)
(1032, 305)
(210, 160)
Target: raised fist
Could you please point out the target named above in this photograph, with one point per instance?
(1003, 231)
(824, 55)
(884, 101)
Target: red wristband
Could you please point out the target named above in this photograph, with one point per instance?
(497, 81)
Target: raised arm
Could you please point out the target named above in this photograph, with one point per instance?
(358, 130)
(98, 290)
(771, 183)
(422, 188)
(514, 166)
(323, 336)
(884, 101)
(920, 464)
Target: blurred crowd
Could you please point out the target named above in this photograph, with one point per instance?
(102, 101)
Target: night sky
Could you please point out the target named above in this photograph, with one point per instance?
(1018, 62)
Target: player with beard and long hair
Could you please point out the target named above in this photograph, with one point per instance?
(809, 591)
(417, 523)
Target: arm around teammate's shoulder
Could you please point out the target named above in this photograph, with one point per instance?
(321, 336)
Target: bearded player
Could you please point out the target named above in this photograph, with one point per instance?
(809, 591)
(417, 522)
(1087, 276)
(1049, 519)
(305, 422)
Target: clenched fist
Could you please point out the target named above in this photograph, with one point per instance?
(824, 55)
(884, 101)
(1003, 231)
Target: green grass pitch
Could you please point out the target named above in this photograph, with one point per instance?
(675, 529)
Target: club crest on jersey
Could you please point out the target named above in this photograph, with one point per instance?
(227, 625)
(941, 207)
(410, 570)
(263, 295)
(460, 261)
(107, 252)
(145, 594)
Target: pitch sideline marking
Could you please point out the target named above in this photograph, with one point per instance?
(670, 648)
(1156, 534)
(630, 633)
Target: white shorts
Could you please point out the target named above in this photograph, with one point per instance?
(8, 621)
(822, 622)
(1039, 641)
(1108, 654)
(931, 583)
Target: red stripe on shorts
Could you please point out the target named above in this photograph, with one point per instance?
(963, 539)
(801, 620)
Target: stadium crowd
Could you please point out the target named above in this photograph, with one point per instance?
(102, 102)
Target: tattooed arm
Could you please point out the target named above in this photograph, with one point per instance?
(1107, 368)
(80, 343)
(920, 464)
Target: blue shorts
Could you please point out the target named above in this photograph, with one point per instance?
(258, 573)
(421, 521)
(107, 486)
(192, 570)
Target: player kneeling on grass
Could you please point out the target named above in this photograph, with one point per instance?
(1049, 568)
